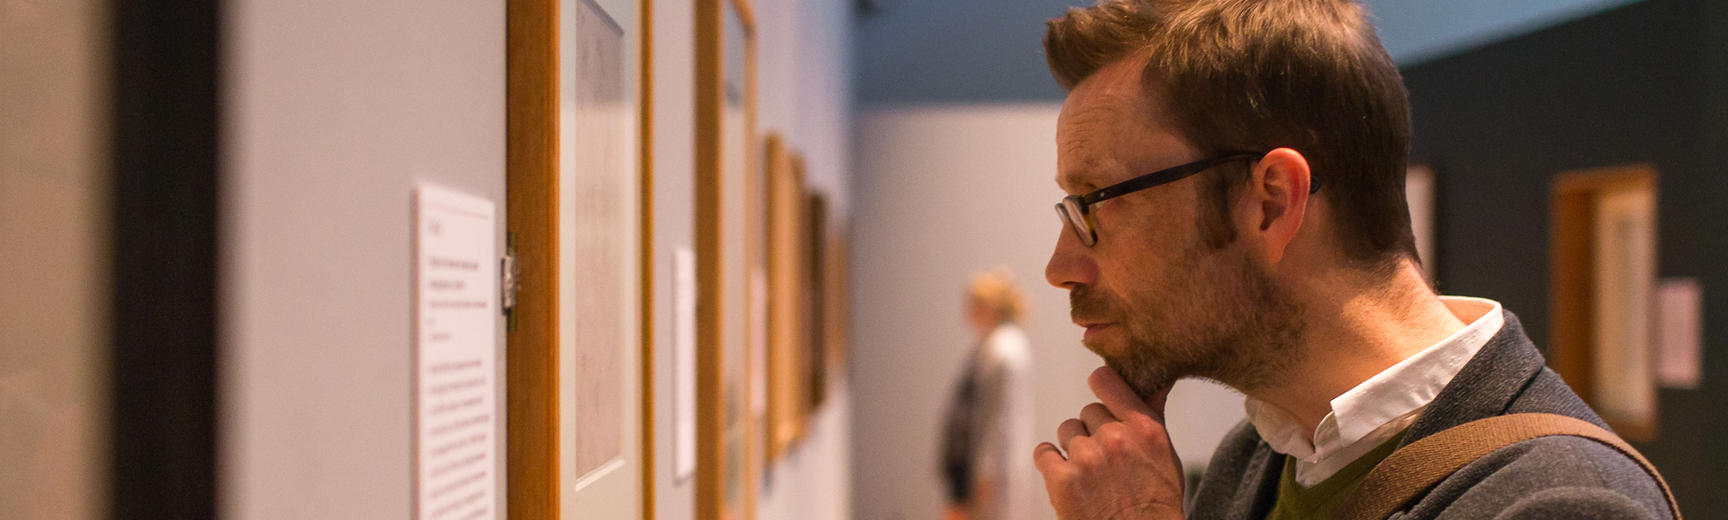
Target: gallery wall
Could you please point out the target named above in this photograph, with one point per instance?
(1639, 84)
(55, 221)
(334, 110)
(803, 63)
(921, 53)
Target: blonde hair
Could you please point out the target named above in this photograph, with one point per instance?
(995, 290)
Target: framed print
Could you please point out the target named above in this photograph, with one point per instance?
(1603, 292)
(577, 189)
(786, 299)
(725, 147)
(815, 299)
(835, 296)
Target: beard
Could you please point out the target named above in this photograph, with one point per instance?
(1223, 318)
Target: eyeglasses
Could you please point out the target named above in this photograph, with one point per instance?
(1075, 209)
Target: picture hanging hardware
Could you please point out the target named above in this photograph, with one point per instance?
(510, 279)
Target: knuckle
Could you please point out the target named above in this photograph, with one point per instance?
(1112, 437)
(1084, 453)
(1146, 427)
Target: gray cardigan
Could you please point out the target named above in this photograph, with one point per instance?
(1549, 477)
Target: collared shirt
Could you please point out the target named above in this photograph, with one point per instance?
(1382, 406)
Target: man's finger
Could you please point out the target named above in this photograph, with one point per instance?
(1158, 401)
(1117, 396)
(1046, 458)
(1095, 415)
(1069, 429)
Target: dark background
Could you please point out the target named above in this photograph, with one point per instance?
(1639, 84)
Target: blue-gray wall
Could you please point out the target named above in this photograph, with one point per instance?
(1634, 85)
(917, 52)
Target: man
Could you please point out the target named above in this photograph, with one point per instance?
(1271, 251)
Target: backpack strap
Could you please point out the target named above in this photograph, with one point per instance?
(1419, 466)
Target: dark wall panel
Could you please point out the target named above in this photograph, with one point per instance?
(1638, 84)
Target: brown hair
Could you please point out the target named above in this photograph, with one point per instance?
(1253, 75)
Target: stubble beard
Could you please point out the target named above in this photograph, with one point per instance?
(1224, 319)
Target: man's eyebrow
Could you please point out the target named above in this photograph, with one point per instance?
(1069, 183)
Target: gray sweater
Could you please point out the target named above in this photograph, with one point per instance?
(1549, 477)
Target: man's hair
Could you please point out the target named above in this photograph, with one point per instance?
(1253, 75)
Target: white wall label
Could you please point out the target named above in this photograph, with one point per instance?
(684, 363)
(455, 355)
(1679, 302)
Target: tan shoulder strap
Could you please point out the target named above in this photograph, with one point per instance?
(1419, 466)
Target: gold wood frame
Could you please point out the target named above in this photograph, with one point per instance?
(786, 289)
(645, 28)
(531, 183)
(532, 210)
(1572, 289)
(710, 315)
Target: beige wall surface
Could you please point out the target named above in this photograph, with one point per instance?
(804, 64)
(53, 259)
(333, 111)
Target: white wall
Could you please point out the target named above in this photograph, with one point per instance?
(803, 63)
(333, 110)
(943, 192)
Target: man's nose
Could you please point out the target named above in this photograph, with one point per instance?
(1069, 264)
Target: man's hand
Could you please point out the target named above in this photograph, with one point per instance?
(1120, 462)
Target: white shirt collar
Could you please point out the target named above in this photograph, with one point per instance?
(1382, 406)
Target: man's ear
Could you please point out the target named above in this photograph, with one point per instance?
(1275, 201)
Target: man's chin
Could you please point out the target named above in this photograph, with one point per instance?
(1146, 379)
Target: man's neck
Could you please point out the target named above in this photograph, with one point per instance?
(1352, 334)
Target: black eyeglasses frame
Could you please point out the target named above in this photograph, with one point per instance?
(1075, 210)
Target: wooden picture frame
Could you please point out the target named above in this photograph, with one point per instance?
(786, 208)
(725, 148)
(835, 306)
(1603, 292)
(578, 212)
(815, 346)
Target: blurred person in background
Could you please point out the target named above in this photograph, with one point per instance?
(1270, 249)
(989, 417)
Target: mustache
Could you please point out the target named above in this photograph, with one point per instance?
(1087, 304)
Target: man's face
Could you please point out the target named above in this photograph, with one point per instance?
(1158, 303)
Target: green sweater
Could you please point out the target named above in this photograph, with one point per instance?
(1324, 499)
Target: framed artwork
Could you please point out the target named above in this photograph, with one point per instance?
(725, 148)
(786, 304)
(835, 295)
(1603, 292)
(577, 183)
(1420, 191)
(815, 298)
